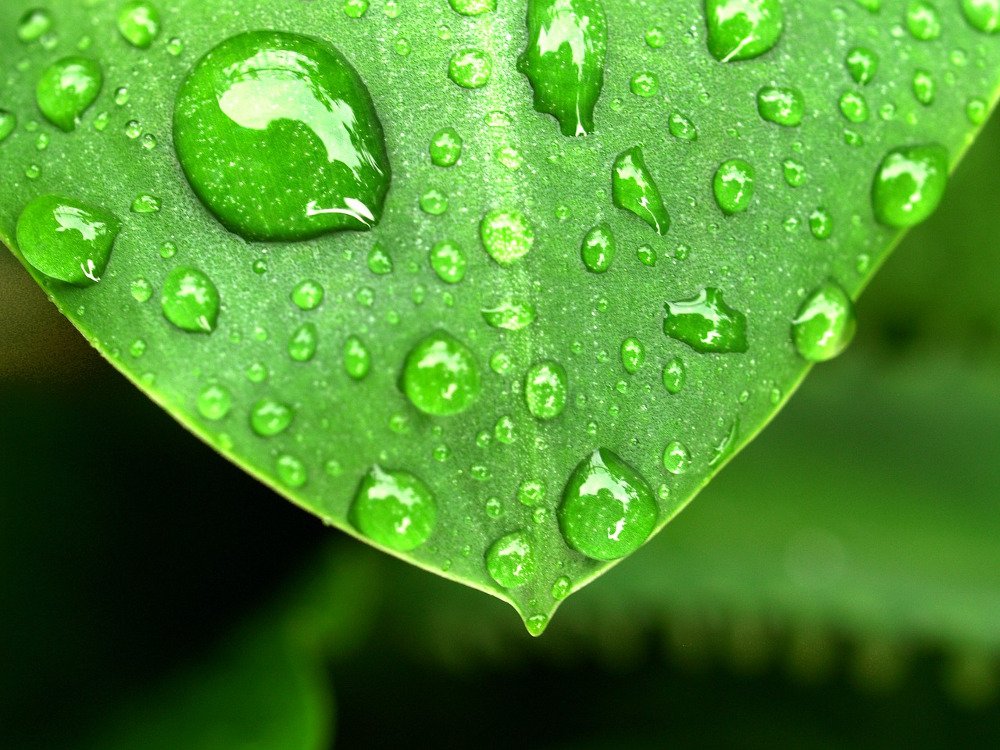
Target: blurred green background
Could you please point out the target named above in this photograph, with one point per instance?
(838, 585)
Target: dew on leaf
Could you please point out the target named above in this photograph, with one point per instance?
(854, 107)
(923, 20)
(633, 354)
(473, 7)
(262, 106)
(530, 492)
(379, 262)
(307, 294)
(506, 235)
(66, 239)
(608, 510)
(510, 560)
(820, 224)
(924, 88)
(141, 290)
(214, 402)
(598, 248)
(983, 15)
(512, 314)
(706, 323)
(825, 323)
(448, 261)
(674, 375)
(190, 300)
(564, 60)
(794, 172)
(34, 24)
(145, 204)
(446, 147)
(681, 127)
(302, 343)
(270, 417)
(504, 430)
(139, 23)
(976, 110)
(546, 389)
(357, 358)
(633, 189)
(433, 202)
(644, 84)
(66, 90)
(781, 105)
(470, 68)
(175, 46)
(646, 255)
(676, 458)
(440, 375)
(355, 8)
(561, 588)
(291, 471)
(909, 184)
(742, 29)
(394, 509)
(8, 121)
(733, 186)
(862, 64)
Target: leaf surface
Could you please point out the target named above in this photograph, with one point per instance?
(639, 328)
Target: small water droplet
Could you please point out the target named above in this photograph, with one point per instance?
(448, 261)
(909, 184)
(394, 509)
(291, 471)
(976, 110)
(355, 8)
(190, 300)
(66, 90)
(676, 458)
(302, 343)
(270, 417)
(820, 224)
(733, 186)
(510, 560)
(794, 172)
(924, 88)
(825, 323)
(440, 375)
(34, 24)
(644, 84)
(674, 375)
(379, 262)
(145, 204)
(922, 20)
(8, 121)
(598, 248)
(446, 147)
(681, 127)
(141, 289)
(139, 23)
(633, 355)
(546, 390)
(214, 402)
(357, 358)
(561, 588)
(308, 295)
(634, 190)
(862, 64)
(512, 314)
(470, 68)
(433, 202)
(506, 235)
(706, 323)
(781, 105)
(742, 29)
(473, 7)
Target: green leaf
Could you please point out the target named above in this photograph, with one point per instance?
(321, 360)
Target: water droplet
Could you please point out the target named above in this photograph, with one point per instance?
(291, 471)
(214, 402)
(509, 157)
(781, 105)
(137, 348)
(825, 323)
(598, 248)
(506, 235)
(733, 186)
(922, 20)
(608, 510)
(190, 300)
(257, 373)
(8, 121)
(34, 24)
(66, 239)
(909, 184)
(862, 64)
(473, 7)
(394, 509)
(440, 376)
(510, 560)
(433, 202)
(742, 29)
(982, 14)
(511, 314)
(145, 204)
(564, 60)
(644, 84)
(168, 250)
(530, 493)
(355, 8)
(142, 290)
(470, 68)
(706, 323)
(725, 447)
(307, 294)
(674, 376)
(561, 588)
(379, 262)
(681, 127)
(546, 390)
(633, 355)
(853, 106)
(504, 430)
(357, 358)
(634, 190)
(924, 87)
(976, 110)
(133, 129)
(262, 106)
(303, 341)
(67, 88)
(446, 147)
(139, 23)
(820, 224)
(270, 417)
(646, 255)
(794, 172)
(656, 37)
(175, 46)
(676, 458)
(448, 261)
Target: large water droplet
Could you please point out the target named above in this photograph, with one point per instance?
(742, 29)
(394, 509)
(983, 14)
(598, 248)
(67, 88)
(510, 560)
(909, 184)
(564, 60)
(733, 186)
(546, 389)
(139, 23)
(634, 189)
(470, 68)
(781, 105)
(706, 323)
(440, 376)
(608, 510)
(66, 239)
(506, 235)
(825, 323)
(280, 139)
(190, 300)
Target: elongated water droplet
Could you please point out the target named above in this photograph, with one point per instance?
(674, 376)
(561, 588)
(303, 342)
(473, 7)
(909, 184)
(511, 314)
(742, 29)
(733, 186)
(66, 239)
(357, 358)
(633, 355)
(67, 88)
(190, 300)
(781, 105)
(854, 107)
(922, 20)
(706, 323)
(139, 23)
(510, 560)
(862, 64)
(34, 24)
(394, 509)
(633, 189)
(825, 323)
(279, 137)
(564, 60)
(214, 402)
(440, 375)
(546, 390)
(608, 510)
(8, 121)
(598, 248)
(924, 88)
(448, 261)
(983, 15)
(681, 127)
(506, 235)
(270, 417)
